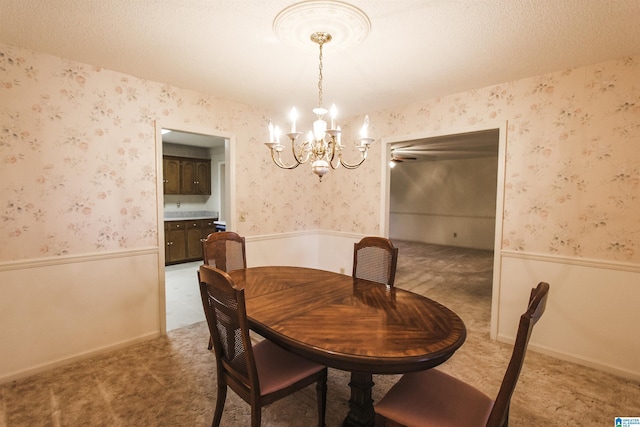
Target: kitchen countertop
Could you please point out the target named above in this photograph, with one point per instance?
(189, 215)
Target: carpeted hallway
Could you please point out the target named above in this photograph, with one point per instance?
(169, 381)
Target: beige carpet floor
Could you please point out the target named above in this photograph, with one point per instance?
(170, 381)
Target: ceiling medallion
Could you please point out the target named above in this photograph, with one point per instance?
(347, 24)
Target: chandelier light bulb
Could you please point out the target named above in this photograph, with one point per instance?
(293, 116)
(277, 135)
(364, 132)
(271, 137)
(334, 112)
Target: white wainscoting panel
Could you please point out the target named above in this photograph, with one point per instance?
(299, 249)
(592, 312)
(336, 251)
(57, 310)
(332, 251)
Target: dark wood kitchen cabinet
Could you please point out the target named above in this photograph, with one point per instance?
(208, 226)
(175, 242)
(203, 176)
(183, 239)
(194, 239)
(195, 176)
(183, 175)
(171, 175)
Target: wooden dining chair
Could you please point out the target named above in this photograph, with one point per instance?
(224, 250)
(375, 259)
(433, 398)
(259, 373)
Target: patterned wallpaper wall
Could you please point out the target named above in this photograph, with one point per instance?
(77, 155)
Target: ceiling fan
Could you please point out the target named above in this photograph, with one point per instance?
(399, 158)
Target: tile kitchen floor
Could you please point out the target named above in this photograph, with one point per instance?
(184, 306)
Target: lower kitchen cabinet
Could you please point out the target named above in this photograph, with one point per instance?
(194, 240)
(183, 239)
(208, 226)
(175, 240)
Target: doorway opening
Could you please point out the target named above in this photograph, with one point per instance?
(180, 303)
(463, 145)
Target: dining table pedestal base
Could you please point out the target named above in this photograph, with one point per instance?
(361, 413)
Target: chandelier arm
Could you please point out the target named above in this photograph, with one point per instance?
(278, 160)
(354, 166)
(332, 144)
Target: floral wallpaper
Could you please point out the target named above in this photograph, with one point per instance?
(78, 170)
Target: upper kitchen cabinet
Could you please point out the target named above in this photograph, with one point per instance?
(171, 175)
(193, 175)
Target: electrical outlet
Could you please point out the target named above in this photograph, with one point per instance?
(341, 270)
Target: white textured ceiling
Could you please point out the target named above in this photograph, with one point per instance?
(416, 49)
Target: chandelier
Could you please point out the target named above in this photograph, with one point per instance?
(323, 147)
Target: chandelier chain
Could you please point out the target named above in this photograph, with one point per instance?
(320, 79)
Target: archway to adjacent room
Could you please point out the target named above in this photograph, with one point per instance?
(415, 146)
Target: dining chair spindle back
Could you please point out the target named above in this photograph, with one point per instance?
(375, 259)
(224, 250)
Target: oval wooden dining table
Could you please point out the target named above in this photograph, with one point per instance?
(349, 324)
